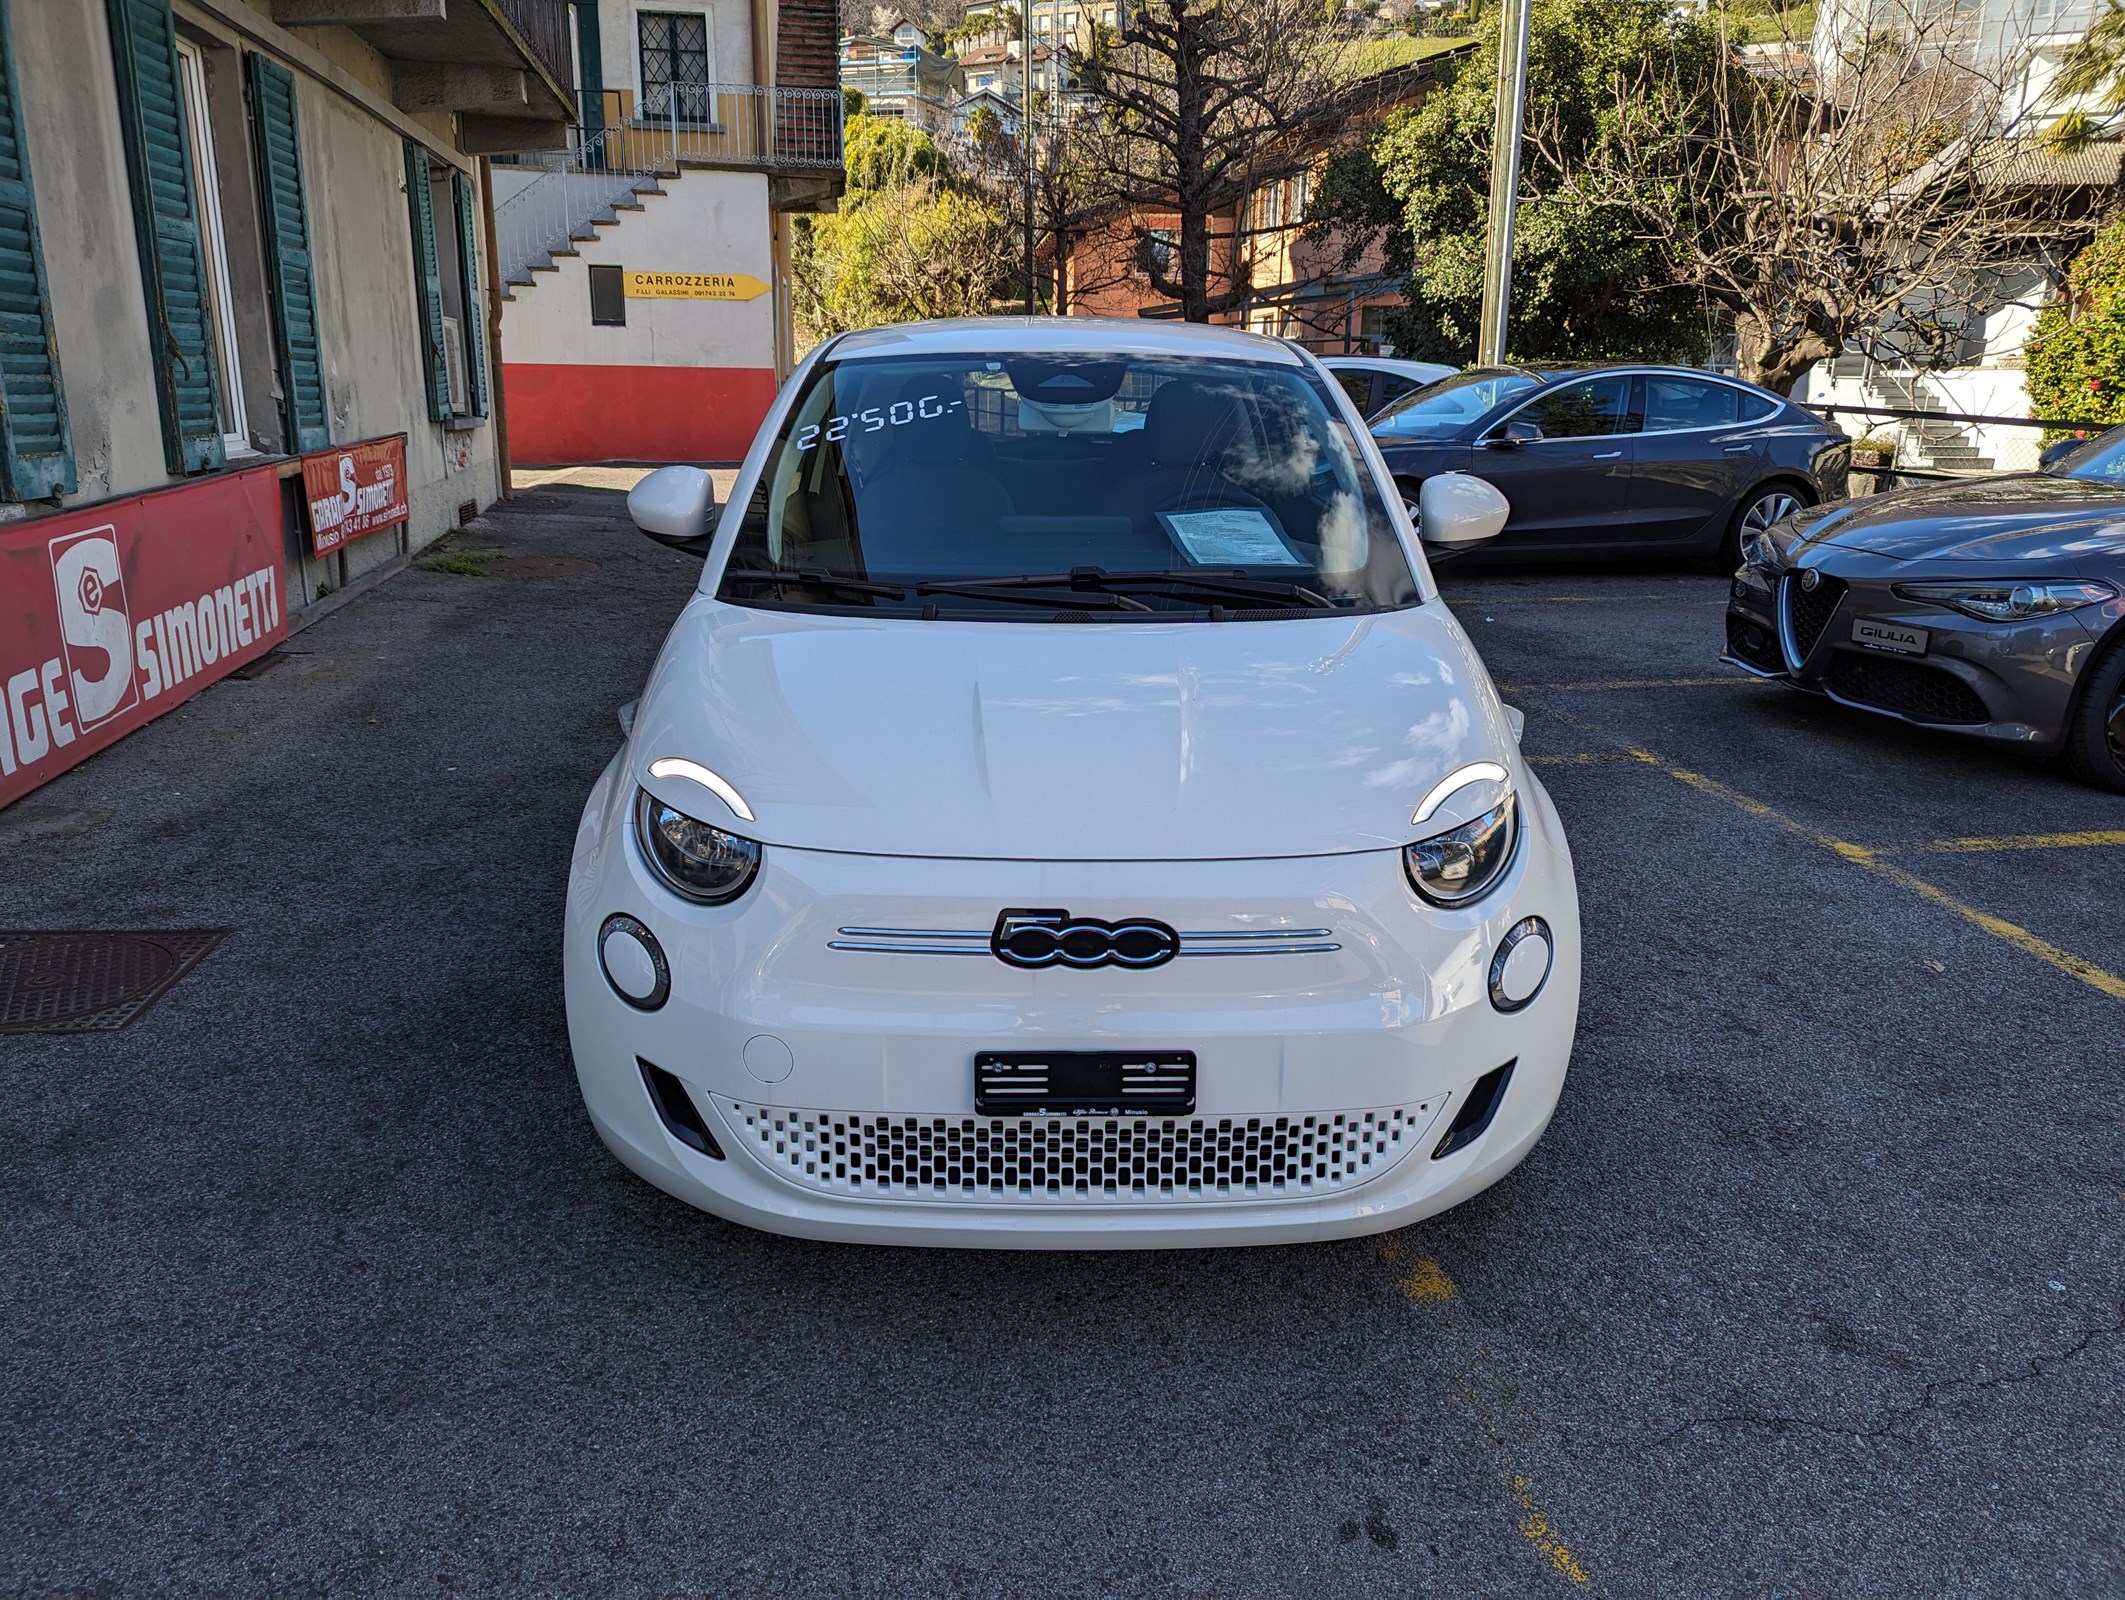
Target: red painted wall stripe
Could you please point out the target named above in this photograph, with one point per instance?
(565, 415)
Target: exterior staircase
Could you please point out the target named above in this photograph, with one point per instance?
(577, 194)
(1944, 445)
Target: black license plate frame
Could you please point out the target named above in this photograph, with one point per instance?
(1084, 1083)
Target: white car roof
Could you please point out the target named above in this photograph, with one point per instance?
(1041, 335)
(1422, 371)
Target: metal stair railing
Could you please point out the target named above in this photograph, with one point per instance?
(580, 185)
(742, 124)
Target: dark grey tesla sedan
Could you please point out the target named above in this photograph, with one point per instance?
(1993, 607)
(1617, 461)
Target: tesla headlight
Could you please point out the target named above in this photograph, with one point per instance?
(1461, 865)
(2009, 602)
(698, 862)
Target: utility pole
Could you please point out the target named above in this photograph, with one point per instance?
(1025, 134)
(1504, 180)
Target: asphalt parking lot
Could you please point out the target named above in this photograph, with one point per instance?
(319, 1283)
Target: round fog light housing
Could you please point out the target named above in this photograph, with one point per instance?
(1521, 967)
(633, 962)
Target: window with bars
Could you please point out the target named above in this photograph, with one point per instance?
(675, 65)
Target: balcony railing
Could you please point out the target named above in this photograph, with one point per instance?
(709, 124)
(544, 25)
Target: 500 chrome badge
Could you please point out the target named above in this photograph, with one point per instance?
(1055, 938)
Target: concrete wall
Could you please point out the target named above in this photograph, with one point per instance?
(684, 380)
(362, 250)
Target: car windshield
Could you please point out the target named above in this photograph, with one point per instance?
(1067, 485)
(2101, 458)
(1441, 410)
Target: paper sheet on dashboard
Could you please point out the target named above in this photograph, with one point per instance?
(1231, 536)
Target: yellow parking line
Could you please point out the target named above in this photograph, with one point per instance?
(1736, 681)
(1871, 861)
(1585, 758)
(2025, 841)
(1425, 1282)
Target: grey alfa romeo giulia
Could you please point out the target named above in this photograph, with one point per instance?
(1994, 608)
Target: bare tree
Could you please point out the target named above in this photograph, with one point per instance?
(1196, 99)
(1879, 194)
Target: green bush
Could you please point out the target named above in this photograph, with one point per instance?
(2076, 356)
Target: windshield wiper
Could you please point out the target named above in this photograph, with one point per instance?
(1097, 580)
(1005, 589)
(816, 580)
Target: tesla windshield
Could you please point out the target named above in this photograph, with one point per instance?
(1443, 409)
(1068, 485)
(2101, 458)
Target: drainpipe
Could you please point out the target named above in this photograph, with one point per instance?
(498, 410)
(763, 32)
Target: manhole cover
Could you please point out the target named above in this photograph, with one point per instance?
(539, 567)
(76, 981)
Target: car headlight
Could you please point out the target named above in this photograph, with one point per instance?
(2009, 602)
(1461, 865)
(700, 863)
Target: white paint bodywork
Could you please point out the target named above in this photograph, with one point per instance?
(1237, 777)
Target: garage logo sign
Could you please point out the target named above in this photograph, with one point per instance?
(354, 491)
(111, 617)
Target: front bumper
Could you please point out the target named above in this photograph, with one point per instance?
(2009, 682)
(838, 1083)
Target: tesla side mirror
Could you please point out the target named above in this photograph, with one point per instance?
(672, 505)
(1513, 435)
(2053, 454)
(1456, 512)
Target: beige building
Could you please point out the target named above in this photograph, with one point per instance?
(232, 233)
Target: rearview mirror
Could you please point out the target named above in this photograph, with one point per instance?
(1515, 434)
(672, 506)
(1456, 512)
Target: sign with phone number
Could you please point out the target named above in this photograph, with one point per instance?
(694, 286)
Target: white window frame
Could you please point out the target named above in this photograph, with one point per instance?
(192, 77)
(634, 49)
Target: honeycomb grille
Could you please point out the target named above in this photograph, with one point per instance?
(1746, 641)
(1922, 693)
(1079, 1160)
(1810, 612)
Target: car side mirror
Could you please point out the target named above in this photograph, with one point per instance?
(1456, 512)
(1513, 435)
(672, 505)
(2054, 453)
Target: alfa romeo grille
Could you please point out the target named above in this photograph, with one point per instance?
(1807, 614)
(1922, 693)
(1080, 1160)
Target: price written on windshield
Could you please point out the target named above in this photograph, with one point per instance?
(694, 286)
(875, 420)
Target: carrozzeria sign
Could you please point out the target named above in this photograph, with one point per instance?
(694, 286)
(113, 614)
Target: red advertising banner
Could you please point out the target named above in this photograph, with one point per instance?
(114, 614)
(355, 490)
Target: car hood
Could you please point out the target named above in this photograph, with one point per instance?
(2024, 517)
(1059, 741)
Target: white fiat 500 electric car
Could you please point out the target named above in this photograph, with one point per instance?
(1067, 815)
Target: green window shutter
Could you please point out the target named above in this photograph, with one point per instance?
(280, 183)
(468, 256)
(36, 449)
(165, 222)
(427, 281)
